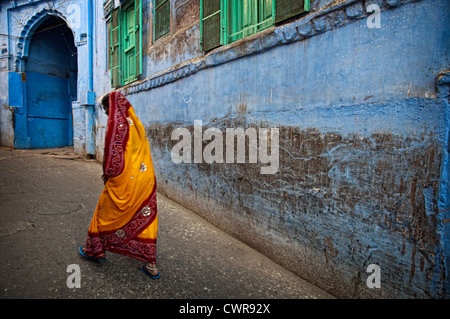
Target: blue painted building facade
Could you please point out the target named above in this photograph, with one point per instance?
(359, 95)
(46, 100)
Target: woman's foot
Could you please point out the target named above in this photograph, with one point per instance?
(83, 253)
(151, 268)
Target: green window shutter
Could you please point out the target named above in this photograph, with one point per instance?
(264, 14)
(138, 36)
(247, 17)
(210, 24)
(128, 25)
(115, 49)
(108, 43)
(239, 20)
(162, 18)
(285, 9)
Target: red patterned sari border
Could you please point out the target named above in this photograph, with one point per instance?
(143, 217)
(142, 249)
(124, 240)
(116, 135)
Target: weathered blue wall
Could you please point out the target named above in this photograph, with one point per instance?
(363, 117)
(363, 144)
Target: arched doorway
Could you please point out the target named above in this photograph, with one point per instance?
(51, 85)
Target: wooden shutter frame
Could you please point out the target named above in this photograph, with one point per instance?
(222, 38)
(277, 19)
(219, 40)
(252, 20)
(138, 36)
(116, 48)
(154, 18)
(125, 44)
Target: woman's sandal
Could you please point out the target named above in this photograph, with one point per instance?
(99, 260)
(144, 269)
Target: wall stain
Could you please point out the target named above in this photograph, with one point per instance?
(333, 195)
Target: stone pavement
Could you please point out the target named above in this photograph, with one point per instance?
(47, 198)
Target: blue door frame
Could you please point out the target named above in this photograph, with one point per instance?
(46, 89)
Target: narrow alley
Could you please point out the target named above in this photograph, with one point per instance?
(47, 200)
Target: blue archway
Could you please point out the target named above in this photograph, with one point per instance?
(48, 66)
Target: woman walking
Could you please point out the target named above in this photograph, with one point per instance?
(125, 220)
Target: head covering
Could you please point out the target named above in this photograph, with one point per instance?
(117, 131)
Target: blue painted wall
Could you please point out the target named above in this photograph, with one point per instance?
(363, 117)
(363, 144)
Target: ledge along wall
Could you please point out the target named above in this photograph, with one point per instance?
(363, 127)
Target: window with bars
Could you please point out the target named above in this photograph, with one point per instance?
(161, 18)
(126, 43)
(225, 21)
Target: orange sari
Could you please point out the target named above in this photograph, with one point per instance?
(125, 220)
